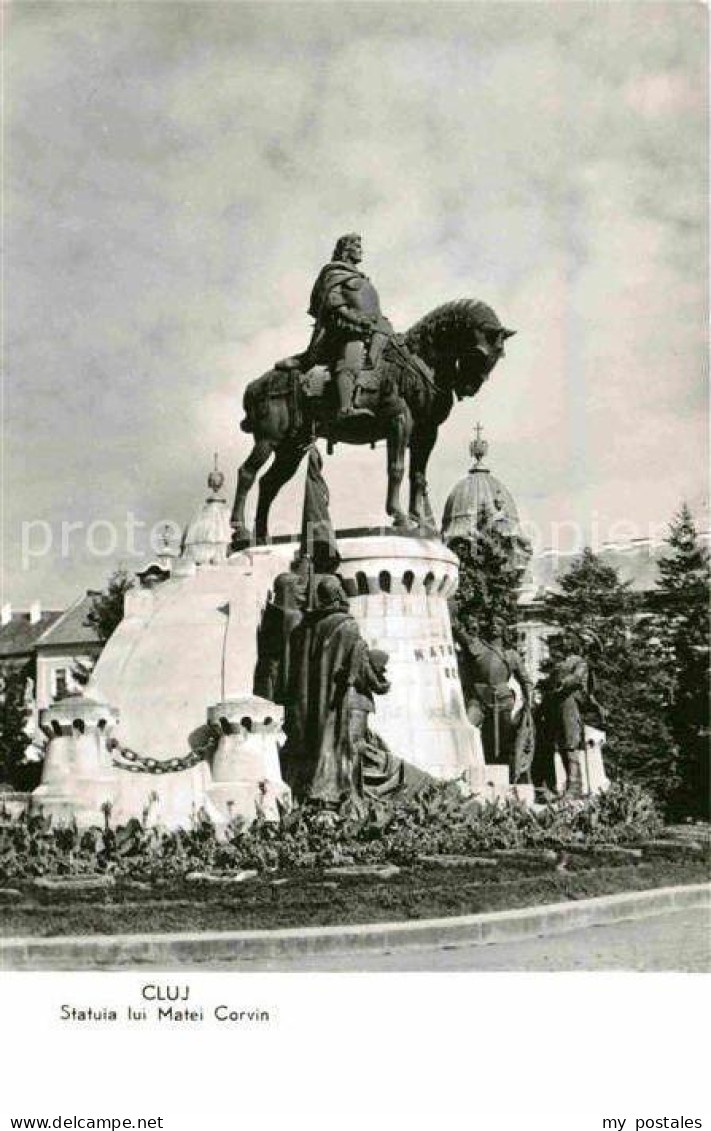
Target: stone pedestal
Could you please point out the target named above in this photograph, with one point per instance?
(187, 643)
(13, 803)
(398, 588)
(191, 642)
(246, 776)
(526, 794)
(496, 782)
(587, 767)
(77, 775)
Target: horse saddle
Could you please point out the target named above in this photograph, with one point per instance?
(285, 379)
(314, 381)
(314, 384)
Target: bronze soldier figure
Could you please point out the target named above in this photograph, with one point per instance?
(574, 702)
(486, 665)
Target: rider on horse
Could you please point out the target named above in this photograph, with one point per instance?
(350, 330)
(358, 382)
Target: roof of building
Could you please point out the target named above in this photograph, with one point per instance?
(209, 533)
(479, 494)
(477, 491)
(20, 635)
(70, 627)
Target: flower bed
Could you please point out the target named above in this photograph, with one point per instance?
(437, 822)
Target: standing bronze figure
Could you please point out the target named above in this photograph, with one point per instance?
(572, 700)
(359, 382)
(315, 662)
(487, 665)
(312, 659)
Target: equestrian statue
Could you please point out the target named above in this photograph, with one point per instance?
(358, 382)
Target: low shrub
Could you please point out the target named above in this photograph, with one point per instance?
(437, 821)
(624, 814)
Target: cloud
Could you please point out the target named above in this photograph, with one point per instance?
(176, 175)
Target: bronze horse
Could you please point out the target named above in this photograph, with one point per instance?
(450, 352)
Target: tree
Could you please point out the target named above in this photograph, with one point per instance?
(81, 674)
(633, 671)
(14, 739)
(683, 587)
(106, 611)
(490, 572)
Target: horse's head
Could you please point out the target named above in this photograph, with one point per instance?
(462, 341)
(478, 346)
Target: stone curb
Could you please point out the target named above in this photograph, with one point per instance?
(174, 950)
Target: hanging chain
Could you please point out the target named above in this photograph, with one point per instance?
(135, 763)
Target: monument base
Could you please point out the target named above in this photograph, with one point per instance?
(83, 802)
(191, 642)
(398, 589)
(174, 800)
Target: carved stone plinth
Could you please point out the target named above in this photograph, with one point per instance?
(246, 776)
(496, 782)
(398, 589)
(77, 775)
(587, 769)
(524, 793)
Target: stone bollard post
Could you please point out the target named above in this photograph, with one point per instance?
(496, 782)
(77, 775)
(246, 775)
(587, 769)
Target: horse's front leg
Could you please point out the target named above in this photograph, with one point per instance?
(421, 445)
(287, 458)
(246, 475)
(398, 438)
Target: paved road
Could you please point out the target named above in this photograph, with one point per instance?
(679, 941)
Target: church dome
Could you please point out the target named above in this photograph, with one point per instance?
(208, 535)
(481, 494)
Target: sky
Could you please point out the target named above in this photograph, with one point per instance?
(175, 174)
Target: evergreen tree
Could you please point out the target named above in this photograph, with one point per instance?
(490, 573)
(683, 586)
(632, 669)
(14, 740)
(81, 674)
(106, 611)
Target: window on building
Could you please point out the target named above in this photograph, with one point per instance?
(61, 683)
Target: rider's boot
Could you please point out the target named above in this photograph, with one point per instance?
(345, 387)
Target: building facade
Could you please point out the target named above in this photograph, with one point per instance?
(51, 646)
